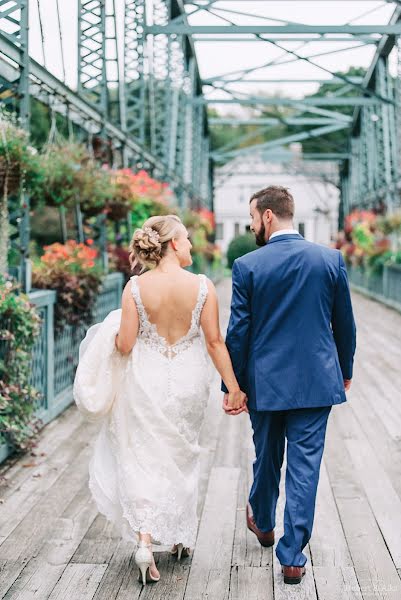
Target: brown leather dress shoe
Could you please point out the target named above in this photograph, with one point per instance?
(293, 574)
(265, 539)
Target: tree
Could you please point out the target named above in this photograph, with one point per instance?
(338, 140)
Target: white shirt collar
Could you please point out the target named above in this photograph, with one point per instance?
(283, 232)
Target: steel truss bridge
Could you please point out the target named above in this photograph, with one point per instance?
(150, 101)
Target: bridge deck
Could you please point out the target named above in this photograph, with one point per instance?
(53, 544)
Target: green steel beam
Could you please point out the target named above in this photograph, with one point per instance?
(297, 137)
(309, 61)
(365, 40)
(332, 81)
(171, 29)
(323, 156)
(299, 121)
(241, 73)
(318, 101)
(134, 82)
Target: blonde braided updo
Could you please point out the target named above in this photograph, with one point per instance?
(149, 244)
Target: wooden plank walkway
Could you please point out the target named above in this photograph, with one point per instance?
(54, 545)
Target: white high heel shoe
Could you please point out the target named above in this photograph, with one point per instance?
(143, 560)
(181, 550)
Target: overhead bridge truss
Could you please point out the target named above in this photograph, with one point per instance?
(146, 96)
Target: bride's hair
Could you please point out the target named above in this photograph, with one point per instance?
(150, 243)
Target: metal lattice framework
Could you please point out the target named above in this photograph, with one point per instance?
(369, 160)
(145, 95)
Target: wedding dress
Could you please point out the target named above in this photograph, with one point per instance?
(144, 471)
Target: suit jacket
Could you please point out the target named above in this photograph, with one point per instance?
(291, 334)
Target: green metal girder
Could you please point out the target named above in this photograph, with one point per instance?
(318, 101)
(134, 81)
(332, 81)
(297, 137)
(98, 70)
(271, 121)
(292, 38)
(172, 29)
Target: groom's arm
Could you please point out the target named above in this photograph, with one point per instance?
(343, 323)
(239, 326)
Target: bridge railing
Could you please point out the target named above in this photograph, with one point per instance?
(55, 354)
(384, 287)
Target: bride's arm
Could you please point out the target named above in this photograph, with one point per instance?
(126, 336)
(217, 348)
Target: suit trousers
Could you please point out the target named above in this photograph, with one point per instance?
(305, 430)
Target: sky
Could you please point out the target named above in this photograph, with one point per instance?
(215, 58)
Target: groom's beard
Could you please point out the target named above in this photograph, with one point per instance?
(260, 236)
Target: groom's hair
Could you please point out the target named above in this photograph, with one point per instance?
(277, 198)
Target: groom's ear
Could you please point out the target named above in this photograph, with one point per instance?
(267, 215)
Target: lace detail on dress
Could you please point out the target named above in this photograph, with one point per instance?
(148, 331)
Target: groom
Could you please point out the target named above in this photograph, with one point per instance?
(291, 338)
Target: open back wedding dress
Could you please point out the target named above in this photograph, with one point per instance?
(144, 471)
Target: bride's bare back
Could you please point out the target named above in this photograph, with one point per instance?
(169, 300)
(169, 295)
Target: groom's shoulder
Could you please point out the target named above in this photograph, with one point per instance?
(250, 259)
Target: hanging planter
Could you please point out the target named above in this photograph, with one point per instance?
(122, 196)
(18, 163)
(72, 176)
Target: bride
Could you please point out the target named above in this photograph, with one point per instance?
(143, 372)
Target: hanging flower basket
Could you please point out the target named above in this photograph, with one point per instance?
(117, 210)
(72, 176)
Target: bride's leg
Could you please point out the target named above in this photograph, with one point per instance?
(146, 537)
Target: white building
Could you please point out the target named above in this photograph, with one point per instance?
(316, 195)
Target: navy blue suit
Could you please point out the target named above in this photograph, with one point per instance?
(291, 338)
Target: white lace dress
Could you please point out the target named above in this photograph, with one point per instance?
(144, 471)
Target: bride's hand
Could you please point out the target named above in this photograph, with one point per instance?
(235, 402)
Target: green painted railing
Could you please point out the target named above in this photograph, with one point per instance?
(384, 287)
(55, 356)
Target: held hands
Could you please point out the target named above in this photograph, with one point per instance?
(234, 403)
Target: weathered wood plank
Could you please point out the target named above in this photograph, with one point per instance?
(374, 568)
(336, 583)
(252, 583)
(78, 582)
(328, 546)
(99, 543)
(34, 529)
(383, 499)
(40, 480)
(13, 472)
(44, 569)
(211, 563)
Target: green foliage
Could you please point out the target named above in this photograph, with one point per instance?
(19, 162)
(338, 140)
(144, 208)
(239, 246)
(71, 175)
(19, 326)
(242, 135)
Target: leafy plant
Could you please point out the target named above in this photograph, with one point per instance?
(71, 176)
(239, 246)
(19, 327)
(19, 167)
(72, 271)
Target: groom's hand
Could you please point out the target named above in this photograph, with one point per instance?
(234, 403)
